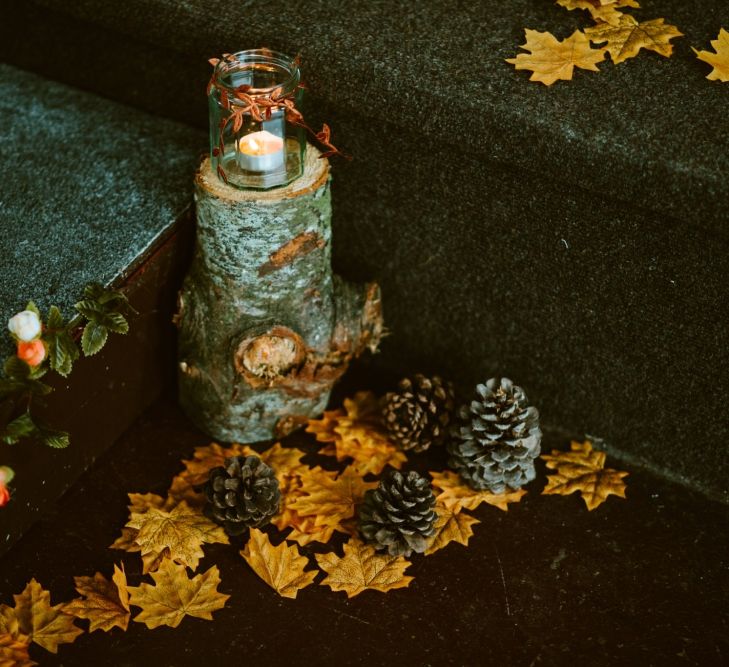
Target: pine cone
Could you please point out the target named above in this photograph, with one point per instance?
(419, 413)
(398, 515)
(498, 438)
(242, 494)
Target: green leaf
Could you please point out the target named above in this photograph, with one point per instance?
(62, 352)
(33, 308)
(92, 310)
(14, 388)
(109, 299)
(10, 388)
(55, 319)
(17, 369)
(22, 427)
(94, 338)
(55, 439)
(37, 372)
(116, 322)
(94, 291)
(38, 388)
(113, 297)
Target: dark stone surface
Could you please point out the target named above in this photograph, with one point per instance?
(104, 394)
(628, 132)
(641, 581)
(612, 319)
(571, 238)
(89, 187)
(91, 191)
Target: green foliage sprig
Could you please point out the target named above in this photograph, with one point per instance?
(100, 312)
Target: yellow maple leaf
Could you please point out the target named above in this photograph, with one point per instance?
(600, 10)
(182, 531)
(583, 469)
(719, 60)
(551, 60)
(456, 495)
(105, 603)
(174, 596)
(362, 568)
(306, 531)
(139, 503)
(281, 567)
(628, 37)
(357, 433)
(14, 652)
(34, 617)
(181, 489)
(304, 528)
(330, 500)
(283, 460)
(450, 526)
(197, 469)
(370, 449)
(323, 428)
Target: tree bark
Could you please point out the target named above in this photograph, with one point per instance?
(265, 328)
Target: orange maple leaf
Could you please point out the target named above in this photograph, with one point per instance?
(357, 433)
(197, 469)
(304, 528)
(14, 652)
(718, 60)
(583, 470)
(34, 618)
(281, 567)
(105, 603)
(180, 533)
(600, 10)
(330, 500)
(551, 60)
(362, 568)
(452, 525)
(283, 460)
(628, 37)
(139, 503)
(181, 490)
(175, 596)
(456, 495)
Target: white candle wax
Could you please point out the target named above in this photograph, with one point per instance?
(260, 151)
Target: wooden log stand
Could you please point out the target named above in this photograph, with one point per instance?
(265, 328)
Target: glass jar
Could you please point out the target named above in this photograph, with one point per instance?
(252, 96)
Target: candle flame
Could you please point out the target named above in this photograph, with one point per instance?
(253, 143)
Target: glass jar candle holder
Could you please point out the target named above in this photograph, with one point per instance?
(253, 144)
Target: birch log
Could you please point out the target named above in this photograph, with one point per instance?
(265, 328)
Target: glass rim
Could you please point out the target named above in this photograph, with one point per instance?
(286, 64)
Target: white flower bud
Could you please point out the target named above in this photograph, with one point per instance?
(26, 326)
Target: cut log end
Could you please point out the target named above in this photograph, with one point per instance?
(316, 174)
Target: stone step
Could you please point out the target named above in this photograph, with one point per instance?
(571, 237)
(627, 132)
(640, 581)
(92, 191)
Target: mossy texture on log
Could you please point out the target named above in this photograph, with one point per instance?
(265, 329)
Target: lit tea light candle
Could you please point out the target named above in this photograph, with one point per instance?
(261, 151)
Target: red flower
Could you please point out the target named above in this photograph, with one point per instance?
(32, 353)
(4, 495)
